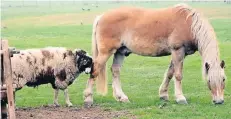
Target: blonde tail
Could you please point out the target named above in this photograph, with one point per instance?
(101, 79)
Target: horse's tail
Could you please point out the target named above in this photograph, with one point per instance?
(101, 79)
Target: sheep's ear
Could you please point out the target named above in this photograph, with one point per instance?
(80, 52)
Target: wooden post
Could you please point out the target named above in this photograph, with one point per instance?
(3, 94)
(1, 63)
(8, 79)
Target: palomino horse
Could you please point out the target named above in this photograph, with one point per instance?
(177, 31)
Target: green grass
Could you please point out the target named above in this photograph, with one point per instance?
(140, 76)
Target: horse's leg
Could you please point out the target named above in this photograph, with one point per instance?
(163, 90)
(56, 92)
(98, 64)
(68, 102)
(178, 59)
(116, 85)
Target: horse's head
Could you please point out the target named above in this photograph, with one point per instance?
(216, 81)
(83, 60)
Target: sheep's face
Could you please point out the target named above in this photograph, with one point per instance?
(84, 61)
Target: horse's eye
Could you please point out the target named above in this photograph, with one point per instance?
(223, 79)
(209, 86)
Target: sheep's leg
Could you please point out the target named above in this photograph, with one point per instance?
(68, 102)
(56, 92)
(3, 108)
(88, 93)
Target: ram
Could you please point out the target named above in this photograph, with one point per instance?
(57, 66)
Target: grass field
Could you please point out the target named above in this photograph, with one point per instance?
(59, 25)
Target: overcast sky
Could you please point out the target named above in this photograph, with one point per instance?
(111, 0)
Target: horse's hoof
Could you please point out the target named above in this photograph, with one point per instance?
(164, 98)
(184, 102)
(125, 100)
(88, 104)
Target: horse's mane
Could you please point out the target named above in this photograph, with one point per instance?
(204, 34)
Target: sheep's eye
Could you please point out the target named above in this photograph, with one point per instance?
(223, 79)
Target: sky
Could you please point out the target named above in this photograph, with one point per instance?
(111, 0)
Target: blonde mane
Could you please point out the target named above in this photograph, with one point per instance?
(205, 36)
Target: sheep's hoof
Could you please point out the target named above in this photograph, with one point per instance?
(88, 104)
(4, 115)
(69, 105)
(56, 105)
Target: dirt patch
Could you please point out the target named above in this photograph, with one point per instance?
(49, 112)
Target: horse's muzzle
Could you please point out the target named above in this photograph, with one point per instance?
(218, 101)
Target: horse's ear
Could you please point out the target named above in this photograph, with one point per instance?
(222, 64)
(207, 66)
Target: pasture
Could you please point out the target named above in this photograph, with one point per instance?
(60, 25)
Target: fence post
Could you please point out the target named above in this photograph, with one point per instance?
(8, 78)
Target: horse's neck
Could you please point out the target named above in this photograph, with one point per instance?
(210, 53)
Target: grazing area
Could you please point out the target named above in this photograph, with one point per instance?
(66, 24)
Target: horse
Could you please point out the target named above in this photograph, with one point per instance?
(178, 30)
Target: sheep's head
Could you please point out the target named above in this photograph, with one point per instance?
(83, 60)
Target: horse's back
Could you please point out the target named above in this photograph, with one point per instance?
(153, 31)
(132, 15)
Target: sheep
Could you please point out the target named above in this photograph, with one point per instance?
(54, 65)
